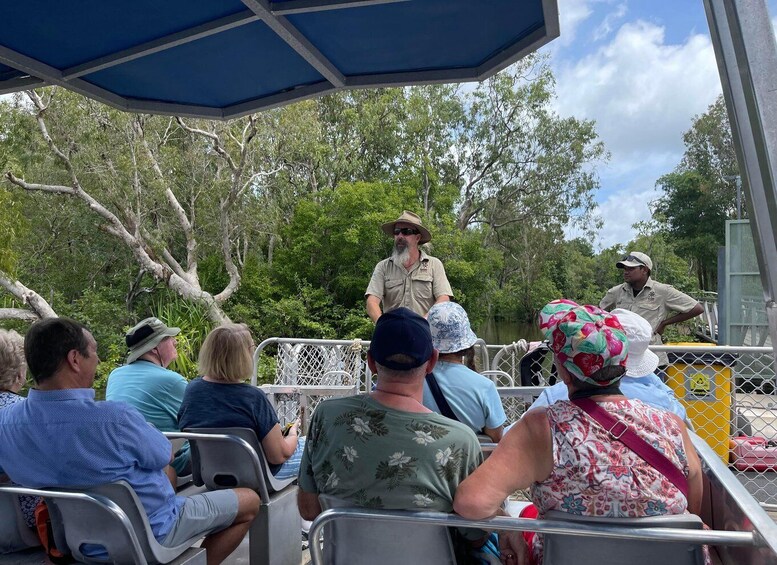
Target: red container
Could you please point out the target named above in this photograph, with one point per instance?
(754, 454)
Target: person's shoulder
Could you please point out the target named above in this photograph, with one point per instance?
(457, 431)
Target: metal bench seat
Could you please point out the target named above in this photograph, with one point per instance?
(111, 516)
(233, 457)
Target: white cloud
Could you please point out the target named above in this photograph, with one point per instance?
(571, 14)
(621, 210)
(641, 92)
(605, 28)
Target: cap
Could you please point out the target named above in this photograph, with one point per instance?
(635, 259)
(145, 336)
(401, 332)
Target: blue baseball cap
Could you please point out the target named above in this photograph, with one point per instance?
(401, 332)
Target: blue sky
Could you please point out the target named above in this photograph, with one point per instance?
(642, 69)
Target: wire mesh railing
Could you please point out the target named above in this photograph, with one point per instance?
(728, 392)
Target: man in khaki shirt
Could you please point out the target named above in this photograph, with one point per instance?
(410, 277)
(660, 304)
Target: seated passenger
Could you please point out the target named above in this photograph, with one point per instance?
(471, 398)
(146, 383)
(59, 436)
(222, 399)
(13, 374)
(639, 381)
(568, 460)
(385, 449)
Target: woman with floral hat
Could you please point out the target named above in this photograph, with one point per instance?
(567, 459)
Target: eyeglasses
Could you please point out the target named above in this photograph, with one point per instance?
(632, 258)
(405, 231)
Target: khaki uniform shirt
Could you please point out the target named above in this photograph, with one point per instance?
(416, 289)
(655, 302)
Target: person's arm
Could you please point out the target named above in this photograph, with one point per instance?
(308, 505)
(608, 302)
(524, 456)
(375, 291)
(441, 288)
(494, 433)
(278, 448)
(695, 483)
(373, 307)
(677, 318)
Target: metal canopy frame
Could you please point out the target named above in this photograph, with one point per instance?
(746, 52)
(274, 15)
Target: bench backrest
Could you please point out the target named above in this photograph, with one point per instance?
(111, 516)
(559, 548)
(383, 543)
(226, 464)
(14, 533)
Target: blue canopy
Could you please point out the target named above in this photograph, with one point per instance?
(226, 58)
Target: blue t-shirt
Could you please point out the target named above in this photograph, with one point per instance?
(472, 397)
(65, 438)
(649, 389)
(155, 391)
(227, 405)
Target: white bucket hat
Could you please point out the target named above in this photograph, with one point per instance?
(450, 328)
(641, 361)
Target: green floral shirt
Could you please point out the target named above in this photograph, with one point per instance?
(374, 456)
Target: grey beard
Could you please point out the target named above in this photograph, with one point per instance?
(400, 257)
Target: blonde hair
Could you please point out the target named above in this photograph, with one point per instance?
(227, 354)
(11, 358)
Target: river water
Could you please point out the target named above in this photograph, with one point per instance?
(500, 332)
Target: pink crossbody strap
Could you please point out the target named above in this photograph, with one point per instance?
(626, 435)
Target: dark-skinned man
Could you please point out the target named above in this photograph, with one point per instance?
(660, 304)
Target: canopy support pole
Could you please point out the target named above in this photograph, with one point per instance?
(745, 49)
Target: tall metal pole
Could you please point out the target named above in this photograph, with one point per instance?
(746, 53)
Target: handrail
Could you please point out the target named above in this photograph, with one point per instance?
(711, 537)
(91, 498)
(255, 463)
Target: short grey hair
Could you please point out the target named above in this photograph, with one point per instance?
(11, 358)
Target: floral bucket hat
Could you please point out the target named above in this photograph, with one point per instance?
(450, 327)
(584, 338)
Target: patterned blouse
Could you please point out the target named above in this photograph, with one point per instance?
(595, 476)
(7, 398)
(28, 503)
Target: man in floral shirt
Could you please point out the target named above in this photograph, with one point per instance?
(385, 449)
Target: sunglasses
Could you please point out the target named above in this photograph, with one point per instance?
(632, 258)
(405, 231)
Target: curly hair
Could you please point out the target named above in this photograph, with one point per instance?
(11, 358)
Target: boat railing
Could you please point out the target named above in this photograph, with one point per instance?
(727, 391)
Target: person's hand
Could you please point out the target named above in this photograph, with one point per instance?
(512, 548)
(660, 329)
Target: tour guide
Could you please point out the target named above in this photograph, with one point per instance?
(409, 278)
(652, 300)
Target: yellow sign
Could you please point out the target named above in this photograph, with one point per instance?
(700, 384)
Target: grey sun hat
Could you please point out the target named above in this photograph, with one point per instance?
(145, 336)
(450, 327)
(411, 218)
(641, 361)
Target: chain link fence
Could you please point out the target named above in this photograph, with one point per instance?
(728, 392)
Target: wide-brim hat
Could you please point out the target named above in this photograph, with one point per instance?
(411, 218)
(145, 336)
